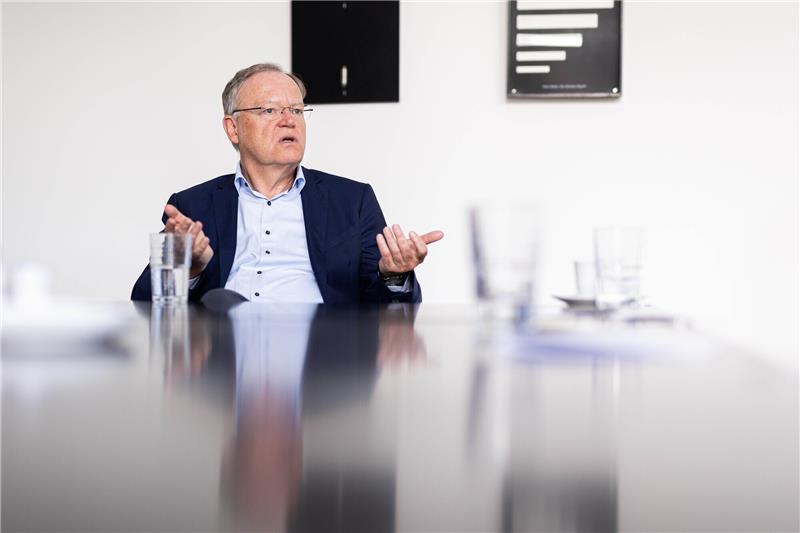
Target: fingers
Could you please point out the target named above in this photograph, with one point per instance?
(199, 239)
(394, 249)
(195, 229)
(202, 252)
(432, 236)
(171, 211)
(169, 227)
(173, 214)
(184, 225)
(407, 249)
(177, 222)
(419, 245)
(386, 254)
(182, 220)
(201, 249)
(401, 254)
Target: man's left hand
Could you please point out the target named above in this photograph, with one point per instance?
(401, 254)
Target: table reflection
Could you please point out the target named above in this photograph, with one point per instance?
(281, 364)
(313, 418)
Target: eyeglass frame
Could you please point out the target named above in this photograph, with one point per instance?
(301, 112)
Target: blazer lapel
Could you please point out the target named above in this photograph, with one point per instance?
(315, 213)
(226, 207)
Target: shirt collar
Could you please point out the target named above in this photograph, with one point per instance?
(243, 185)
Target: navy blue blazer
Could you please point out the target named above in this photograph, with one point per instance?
(342, 218)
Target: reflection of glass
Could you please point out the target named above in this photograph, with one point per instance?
(170, 257)
(169, 338)
(504, 239)
(618, 260)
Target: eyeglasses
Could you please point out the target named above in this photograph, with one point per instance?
(274, 112)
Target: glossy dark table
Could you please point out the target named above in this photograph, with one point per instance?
(399, 419)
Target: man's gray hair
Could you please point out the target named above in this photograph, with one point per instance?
(232, 88)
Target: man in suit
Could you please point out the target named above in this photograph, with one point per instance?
(276, 231)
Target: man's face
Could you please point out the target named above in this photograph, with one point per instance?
(265, 140)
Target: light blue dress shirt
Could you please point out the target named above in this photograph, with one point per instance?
(271, 345)
(271, 262)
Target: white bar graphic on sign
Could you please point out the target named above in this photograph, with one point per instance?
(544, 5)
(550, 39)
(554, 55)
(554, 22)
(533, 69)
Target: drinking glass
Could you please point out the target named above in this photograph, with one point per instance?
(170, 257)
(505, 251)
(618, 262)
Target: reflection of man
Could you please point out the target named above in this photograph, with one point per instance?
(270, 367)
(296, 362)
(262, 466)
(275, 231)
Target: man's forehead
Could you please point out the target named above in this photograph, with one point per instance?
(267, 84)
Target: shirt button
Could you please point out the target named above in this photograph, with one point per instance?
(258, 294)
(267, 251)
(269, 202)
(267, 232)
(259, 272)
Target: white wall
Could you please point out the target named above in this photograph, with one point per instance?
(107, 109)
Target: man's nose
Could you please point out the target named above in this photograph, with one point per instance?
(287, 119)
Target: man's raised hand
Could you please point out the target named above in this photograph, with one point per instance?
(401, 254)
(202, 252)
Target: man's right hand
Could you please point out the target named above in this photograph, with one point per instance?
(202, 253)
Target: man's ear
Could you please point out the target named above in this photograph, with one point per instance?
(229, 125)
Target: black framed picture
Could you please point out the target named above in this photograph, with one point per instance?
(564, 49)
(347, 52)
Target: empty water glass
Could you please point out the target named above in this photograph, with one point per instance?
(618, 262)
(505, 251)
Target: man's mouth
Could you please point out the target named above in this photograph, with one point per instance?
(288, 139)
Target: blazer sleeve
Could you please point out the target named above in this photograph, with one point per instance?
(371, 286)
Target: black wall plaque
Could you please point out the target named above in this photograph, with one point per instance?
(567, 48)
(347, 52)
